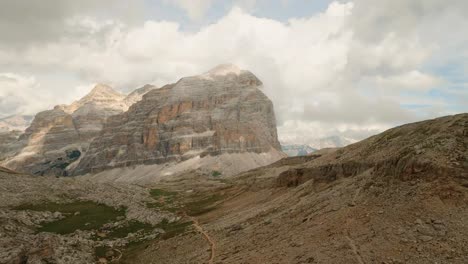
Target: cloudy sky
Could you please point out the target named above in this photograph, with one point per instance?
(349, 68)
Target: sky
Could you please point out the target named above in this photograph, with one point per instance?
(346, 68)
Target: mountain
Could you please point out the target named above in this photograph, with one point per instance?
(56, 138)
(15, 122)
(137, 94)
(297, 150)
(218, 113)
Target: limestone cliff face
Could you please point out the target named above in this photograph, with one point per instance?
(221, 111)
(57, 138)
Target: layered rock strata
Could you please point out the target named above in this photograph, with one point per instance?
(57, 138)
(221, 111)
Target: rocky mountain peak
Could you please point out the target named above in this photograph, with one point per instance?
(101, 96)
(136, 95)
(220, 112)
(102, 92)
(58, 137)
(102, 89)
(224, 69)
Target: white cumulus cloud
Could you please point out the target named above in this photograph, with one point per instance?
(351, 70)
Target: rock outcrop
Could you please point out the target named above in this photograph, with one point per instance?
(429, 150)
(57, 138)
(221, 111)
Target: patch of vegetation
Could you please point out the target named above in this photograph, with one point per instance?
(155, 205)
(157, 193)
(216, 173)
(134, 248)
(61, 166)
(173, 229)
(203, 205)
(130, 227)
(165, 200)
(100, 252)
(163, 206)
(74, 154)
(78, 216)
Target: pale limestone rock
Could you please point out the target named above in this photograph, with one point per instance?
(57, 138)
(221, 111)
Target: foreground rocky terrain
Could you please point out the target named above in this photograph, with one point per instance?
(398, 197)
(69, 220)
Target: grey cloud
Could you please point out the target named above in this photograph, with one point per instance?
(296, 61)
(28, 22)
(356, 109)
(371, 21)
(11, 104)
(358, 134)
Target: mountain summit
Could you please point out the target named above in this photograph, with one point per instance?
(195, 117)
(224, 69)
(216, 121)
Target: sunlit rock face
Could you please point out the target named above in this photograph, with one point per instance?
(57, 138)
(221, 111)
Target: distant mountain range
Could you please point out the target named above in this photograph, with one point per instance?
(293, 150)
(15, 123)
(297, 150)
(331, 142)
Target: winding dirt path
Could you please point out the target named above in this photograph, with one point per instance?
(207, 237)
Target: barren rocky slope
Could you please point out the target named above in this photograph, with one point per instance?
(221, 111)
(68, 220)
(58, 137)
(398, 197)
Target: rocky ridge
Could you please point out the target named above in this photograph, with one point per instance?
(398, 197)
(57, 138)
(221, 111)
